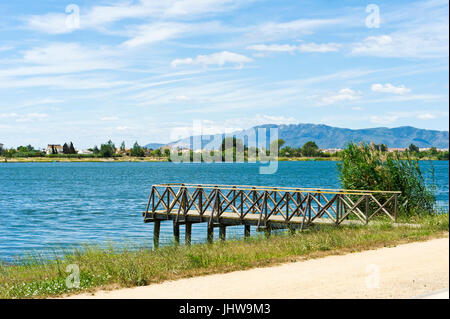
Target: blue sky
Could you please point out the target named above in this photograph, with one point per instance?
(146, 70)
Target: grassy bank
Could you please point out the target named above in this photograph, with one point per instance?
(110, 268)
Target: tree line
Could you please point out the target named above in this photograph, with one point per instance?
(229, 145)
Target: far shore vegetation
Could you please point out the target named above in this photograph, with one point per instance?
(109, 152)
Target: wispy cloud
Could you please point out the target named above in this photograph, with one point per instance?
(61, 58)
(389, 88)
(99, 17)
(341, 96)
(392, 117)
(420, 31)
(219, 58)
(307, 47)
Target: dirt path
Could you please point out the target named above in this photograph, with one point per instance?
(404, 271)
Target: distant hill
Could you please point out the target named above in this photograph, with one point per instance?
(154, 146)
(326, 136)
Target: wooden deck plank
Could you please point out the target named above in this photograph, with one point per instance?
(229, 218)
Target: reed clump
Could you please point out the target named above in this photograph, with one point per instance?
(365, 167)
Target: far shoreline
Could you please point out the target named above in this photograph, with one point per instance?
(129, 159)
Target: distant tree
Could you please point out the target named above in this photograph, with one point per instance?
(72, 149)
(157, 152)
(434, 151)
(253, 151)
(277, 145)
(122, 147)
(288, 151)
(108, 149)
(310, 149)
(167, 152)
(95, 150)
(380, 147)
(443, 156)
(137, 150)
(66, 149)
(413, 148)
(232, 142)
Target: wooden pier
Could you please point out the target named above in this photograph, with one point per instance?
(265, 208)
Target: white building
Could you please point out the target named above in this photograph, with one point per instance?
(331, 150)
(51, 148)
(85, 152)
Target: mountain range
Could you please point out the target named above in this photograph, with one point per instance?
(295, 135)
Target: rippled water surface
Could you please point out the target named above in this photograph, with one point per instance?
(49, 206)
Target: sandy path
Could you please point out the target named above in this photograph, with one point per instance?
(404, 271)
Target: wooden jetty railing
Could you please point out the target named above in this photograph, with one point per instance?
(264, 207)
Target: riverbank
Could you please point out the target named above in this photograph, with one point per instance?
(376, 273)
(112, 268)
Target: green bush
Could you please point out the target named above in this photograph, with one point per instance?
(365, 168)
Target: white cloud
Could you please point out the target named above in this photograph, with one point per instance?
(60, 58)
(123, 128)
(273, 47)
(291, 29)
(324, 47)
(208, 127)
(422, 42)
(220, 59)
(109, 118)
(8, 115)
(392, 117)
(182, 98)
(307, 47)
(147, 34)
(6, 48)
(51, 23)
(426, 116)
(23, 117)
(98, 17)
(341, 96)
(64, 82)
(389, 88)
(383, 119)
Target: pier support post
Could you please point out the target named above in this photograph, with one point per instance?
(156, 229)
(222, 232)
(210, 233)
(267, 231)
(187, 234)
(291, 230)
(176, 232)
(246, 231)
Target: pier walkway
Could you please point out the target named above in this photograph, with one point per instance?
(265, 208)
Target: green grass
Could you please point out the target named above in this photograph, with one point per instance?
(114, 268)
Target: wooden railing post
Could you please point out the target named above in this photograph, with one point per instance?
(367, 209)
(338, 208)
(395, 208)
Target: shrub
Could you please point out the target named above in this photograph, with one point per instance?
(365, 168)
